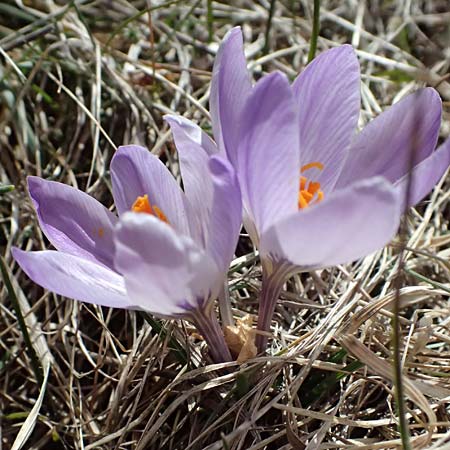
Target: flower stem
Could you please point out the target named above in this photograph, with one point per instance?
(226, 314)
(208, 326)
(272, 283)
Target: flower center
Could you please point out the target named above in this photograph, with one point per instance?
(142, 205)
(309, 191)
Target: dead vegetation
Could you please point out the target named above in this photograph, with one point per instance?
(78, 79)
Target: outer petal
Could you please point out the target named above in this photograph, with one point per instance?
(268, 159)
(195, 172)
(230, 87)
(164, 273)
(184, 129)
(348, 225)
(136, 172)
(74, 277)
(73, 221)
(424, 176)
(384, 145)
(226, 214)
(328, 96)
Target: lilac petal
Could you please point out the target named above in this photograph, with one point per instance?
(196, 176)
(165, 273)
(74, 277)
(213, 190)
(73, 221)
(226, 214)
(424, 176)
(192, 132)
(328, 96)
(136, 172)
(230, 87)
(268, 154)
(384, 146)
(348, 225)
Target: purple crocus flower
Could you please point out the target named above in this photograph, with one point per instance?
(315, 193)
(168, 251)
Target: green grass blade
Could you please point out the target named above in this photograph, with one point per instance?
(315, 31)
(5, 188)
(35, 364)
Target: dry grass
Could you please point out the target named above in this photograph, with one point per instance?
(78, 79)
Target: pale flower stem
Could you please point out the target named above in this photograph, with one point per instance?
(208, 326)
(226, 313)
(270, 291)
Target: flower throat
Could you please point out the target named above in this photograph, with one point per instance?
(142, 205)
(309, 191)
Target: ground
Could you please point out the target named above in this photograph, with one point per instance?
(78, 79)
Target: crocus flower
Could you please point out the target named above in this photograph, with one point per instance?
(315, 192)
(168, 251)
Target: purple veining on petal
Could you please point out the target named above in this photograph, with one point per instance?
(268, 155)
(230, 87)
(384, 147)
(136, 172)
(197, 181)
(348, 225)
(162, 268)
(73, 221)
(226, 213)
(74, 277)
(328, 96)
(424, 177)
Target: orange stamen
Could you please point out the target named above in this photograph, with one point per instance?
(313, 187)
(315, 165)
(302, 203)
(307, 195)
(303, 181)
(159, 214)
(142, 205)
(309, 190)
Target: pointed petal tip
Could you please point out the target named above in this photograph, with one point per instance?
(343, 55)
(426, 94)
(170, 118)
(178, 121)
(275, 79)
(341, 50)
(16, 252)
(126, 151)
(33, 180)
(123, 149)
(36, 185)
(432, 96)
(235, 32)
(74, 277)
(19, 256)
(346, 48)
(33, 184)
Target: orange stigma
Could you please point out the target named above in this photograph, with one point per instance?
(309, 191)
(142, 205)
